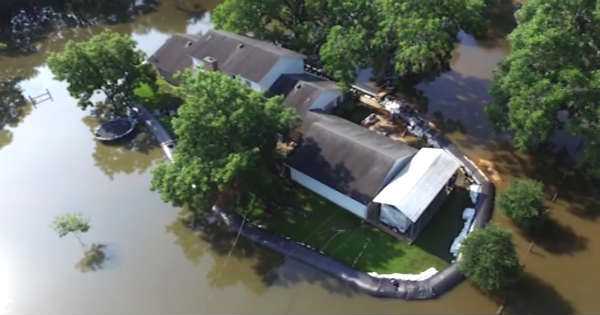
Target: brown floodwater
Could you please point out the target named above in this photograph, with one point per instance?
(50, 164)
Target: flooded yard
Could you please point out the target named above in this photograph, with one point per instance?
(50, 164)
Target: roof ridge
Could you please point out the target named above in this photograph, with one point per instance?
(352, 139)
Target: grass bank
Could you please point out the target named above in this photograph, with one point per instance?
(308, 218)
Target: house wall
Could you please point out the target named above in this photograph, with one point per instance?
(432, 209)
(327, 101)
(330, 194)
(283, 66)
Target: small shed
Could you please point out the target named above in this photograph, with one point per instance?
(306, 92)
(409, 201)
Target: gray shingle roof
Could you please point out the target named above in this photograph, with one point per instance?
(235, 54)
(301, 90)
(349, 158)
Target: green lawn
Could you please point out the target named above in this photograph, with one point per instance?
(310, 219)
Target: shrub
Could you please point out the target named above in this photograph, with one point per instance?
(489, 259)
(523, 202)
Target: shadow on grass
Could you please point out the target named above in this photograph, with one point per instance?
(445, 225)
(310, 219)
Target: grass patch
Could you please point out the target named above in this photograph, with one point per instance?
(308, 218)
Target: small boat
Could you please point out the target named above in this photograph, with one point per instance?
(115, 129)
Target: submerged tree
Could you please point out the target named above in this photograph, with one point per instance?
(107, 62)
(551, 79)
(77, 224)
(71, 223)
(523, 202)
(489, 259)
(411, 36)
(226, 135)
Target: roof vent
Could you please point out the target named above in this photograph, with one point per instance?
(240, 45)
(298, 86)
(210, 63)
(188, 44)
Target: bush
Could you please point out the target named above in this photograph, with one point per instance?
(489, 259)
(523, 202)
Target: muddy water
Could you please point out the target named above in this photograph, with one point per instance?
(49, 164)
(560, 273)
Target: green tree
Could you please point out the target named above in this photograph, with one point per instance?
(523, 202)
(107, 62)
(551, 79)
(412, 36)
(71, 223)
(342, 53)
(488, 258)
(226, 136)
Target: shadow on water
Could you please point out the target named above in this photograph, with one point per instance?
(232, 255)
(534, 296)
(501, 15)
(557, 238)
(458, 99)
(93, 258)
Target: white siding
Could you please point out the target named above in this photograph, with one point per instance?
(330, 194)
(283, 66)
(327, 101)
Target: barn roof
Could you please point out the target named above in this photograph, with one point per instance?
(417, 185)
(347, 157)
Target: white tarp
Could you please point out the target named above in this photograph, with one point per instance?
(417, 185)
(407, 277)
(474, 191)
(468, 216)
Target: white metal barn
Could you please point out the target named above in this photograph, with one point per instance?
(409, 201)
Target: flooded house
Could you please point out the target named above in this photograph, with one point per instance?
(385, 182)
(256, 63)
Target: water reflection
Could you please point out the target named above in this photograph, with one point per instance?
(135, 154)
(237, 261)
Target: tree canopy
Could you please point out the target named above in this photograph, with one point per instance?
(523, 202)
(412, 36)
(67, 223)
(107, 62)
(227, 134)
(489, 259)
(551, 80)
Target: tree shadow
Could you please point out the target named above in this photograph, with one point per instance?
(534, 296)
(501, 17)
(240, 261)
(557, 238)
(93, 258)
(335, 163)
(455, 97)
